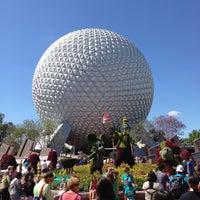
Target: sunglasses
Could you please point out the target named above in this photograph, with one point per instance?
(77, 184)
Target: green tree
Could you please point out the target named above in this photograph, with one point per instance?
(31, 129)
(194, 135)
(28, 129)
(46, 128)
(140, 131)
(5, 128)
(39, 132)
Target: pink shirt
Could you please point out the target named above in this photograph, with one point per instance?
(70, 196)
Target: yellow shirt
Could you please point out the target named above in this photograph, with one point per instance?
(5, 182)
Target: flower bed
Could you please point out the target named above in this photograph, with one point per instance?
(139, 171)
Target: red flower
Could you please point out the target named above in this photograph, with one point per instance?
(169, 144)
(173, 146)
(53, 157)
(185, 154)
(8, 159)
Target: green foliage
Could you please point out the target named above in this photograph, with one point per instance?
(194, 135)
(140, 132)
(47, 128)
(31, 129)
(68, 163)
(1, 118)
(5, 128)
(19, 133)
(139, 171)
(66, 150)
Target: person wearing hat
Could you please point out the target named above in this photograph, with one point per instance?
(179, 173)
(178, 183)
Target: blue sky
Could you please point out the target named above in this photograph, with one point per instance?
(167, 32)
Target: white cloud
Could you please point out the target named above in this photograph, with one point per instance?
(173, 113)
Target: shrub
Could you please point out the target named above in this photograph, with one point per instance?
(68, 163)
(139, 171)
(8, 160)
(33, 161)
(52, 156)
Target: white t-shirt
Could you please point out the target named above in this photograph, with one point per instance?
(148, 191)
(44, 165)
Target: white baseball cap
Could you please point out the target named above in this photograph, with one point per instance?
(179, 168)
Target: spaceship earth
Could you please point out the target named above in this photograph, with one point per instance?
(89, 72)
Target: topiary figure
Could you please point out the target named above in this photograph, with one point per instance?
(33, 161)
(125, 152)
(8, 160)
(185, 154)
(124, 148)
(52, 156)
(68, 164)
(97, 149)
(168, 155)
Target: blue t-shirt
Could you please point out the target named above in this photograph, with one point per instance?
(185, 179)
(126, 178)
(190, 168)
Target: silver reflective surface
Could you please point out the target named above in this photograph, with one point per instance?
(88, 72)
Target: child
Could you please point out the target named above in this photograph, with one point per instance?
(92, 189)
(63, 186)
(129, 193)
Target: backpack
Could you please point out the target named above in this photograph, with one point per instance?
(150, 188)
(40, 196)
(177, 186)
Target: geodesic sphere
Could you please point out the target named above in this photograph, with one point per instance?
(86, 73)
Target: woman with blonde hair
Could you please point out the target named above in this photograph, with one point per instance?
(72, 193)
(5, 195)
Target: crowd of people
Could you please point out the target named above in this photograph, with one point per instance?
(22, 184)
(181, 183)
